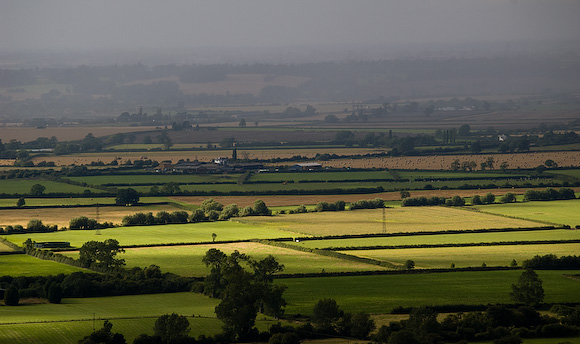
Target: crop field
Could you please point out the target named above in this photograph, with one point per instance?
(406, 219)
(443, 162)
(162, 234)
(22, 186)
(26, 134)
(5, 248)
(563, 212)
(25, 265)
(473, 256)
(186, 260)
(62, 216)
(461, 238)
(382, 293)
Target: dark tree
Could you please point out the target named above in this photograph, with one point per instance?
(37, 190)
(326, 314)
(127, 196)
(528, 289)
(54, 293)
(104, 336)
(260, 208)
(171, 327)
(11, 296)
(361, 325)
(21, 202)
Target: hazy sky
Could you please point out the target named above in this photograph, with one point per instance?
(136, 24)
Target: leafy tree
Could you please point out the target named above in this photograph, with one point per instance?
(405, 194)
(464, 130)
(171, 328)
(361, 325)
(210, 204)
(231, 210)
(104, 336)
(242, 123)
(197, 215)
(476, 200)
(11, 296)
(54, 293)
(127, 196)
(37, 190)
(489, 198)
(260, 208)
(21, 202)
(508, 198)
(82, 222)
(528, 289)
(170, 188)
(409, 264)
(326, 314)
(101, 253)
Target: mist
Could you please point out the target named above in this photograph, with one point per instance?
(280, 31)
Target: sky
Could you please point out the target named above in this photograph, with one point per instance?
(80, 25)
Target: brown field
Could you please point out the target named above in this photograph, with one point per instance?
(62, 216)
(398, 220)
(26, 134)
(443, 162)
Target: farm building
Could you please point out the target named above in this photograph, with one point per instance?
(310, 166)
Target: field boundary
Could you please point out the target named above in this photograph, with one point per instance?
(474, 244)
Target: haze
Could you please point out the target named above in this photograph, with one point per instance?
(338, 25)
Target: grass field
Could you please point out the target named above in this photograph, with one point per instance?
(467, 256)
(162, 234)
(25, 265)
(380, 294)
(461, 238)
(564, 212)
(22, 186)
(158, 179)
(406, 219)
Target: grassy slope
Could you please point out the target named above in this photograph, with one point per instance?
(564, 212)
(24, 265)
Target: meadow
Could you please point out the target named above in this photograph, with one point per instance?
(462, 257)
(443, 239)
(402, 219)
(187, 260)
(563, 212)
(25, 265)
(22, 186)
(160, 234)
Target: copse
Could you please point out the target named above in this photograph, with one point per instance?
(367, 204)
(549, 194)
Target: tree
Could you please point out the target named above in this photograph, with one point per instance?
(489, 198)
(101, 253)
(508, 198)
(528, 289)
(409, 264)
(210, 204)
(405, 194)
(171, 327)
(260, 208)
(104, 336)
(21, 202)
(464, 130)
(82, 222)
(361, 325)
(11, 296)
(54, 293)
(242, 123)
(326, 314)
(37, 190)
(127, 196)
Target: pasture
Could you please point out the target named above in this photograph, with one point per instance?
(402, 219)
(161, 234)
(563, 212)
(382, 293)
(25, 265)
(22, 186)
(472, 256)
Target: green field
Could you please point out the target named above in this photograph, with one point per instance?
(380, 294)
(186, 260)
(25, 265)
(22, 186)
(405, 219)
(563, 212)
(442, 257)
(158, 179)
(461, 238)
(161, 234)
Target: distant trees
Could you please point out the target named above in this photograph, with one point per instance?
(327, 317)
(104, 336)
(11, 296)
(21, 202)
(37, 190)
(170, 328)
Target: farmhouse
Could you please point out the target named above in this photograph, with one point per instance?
(311, 166)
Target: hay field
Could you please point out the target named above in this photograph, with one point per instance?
(62, 216)
(26, 134)
(406, 219)
(442, 257)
